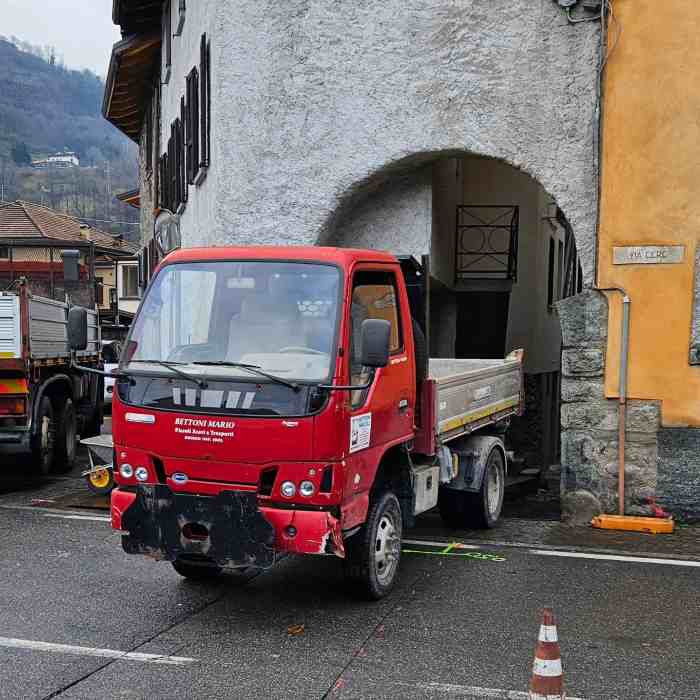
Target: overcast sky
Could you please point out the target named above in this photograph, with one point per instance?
(81, 30)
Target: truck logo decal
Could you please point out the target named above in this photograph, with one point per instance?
(180, 478)
(205, 430)
(360, 432)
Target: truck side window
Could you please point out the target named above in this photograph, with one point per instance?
(374, 295)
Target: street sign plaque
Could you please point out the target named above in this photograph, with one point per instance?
(648, 254)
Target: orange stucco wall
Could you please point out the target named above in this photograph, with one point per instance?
(650, 196)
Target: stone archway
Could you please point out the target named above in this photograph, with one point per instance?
(418, 206)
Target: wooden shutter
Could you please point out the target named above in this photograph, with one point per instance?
(172, 168)
(205, 102)
(182, 149)
(167, 37)
(192, 125)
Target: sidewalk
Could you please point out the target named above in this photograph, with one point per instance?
(684, 543)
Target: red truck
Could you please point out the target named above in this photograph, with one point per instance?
(280, 399)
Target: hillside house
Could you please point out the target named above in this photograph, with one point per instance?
(64, 159)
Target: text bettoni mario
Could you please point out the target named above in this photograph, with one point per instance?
(204, 423)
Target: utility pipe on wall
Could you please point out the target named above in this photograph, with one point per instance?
(622, 413)
(622, 416)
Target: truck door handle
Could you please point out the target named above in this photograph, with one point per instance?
(403, 405)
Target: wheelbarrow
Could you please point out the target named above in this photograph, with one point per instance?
(100, 476)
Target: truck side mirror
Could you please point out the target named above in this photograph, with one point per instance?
(77, 328)
(376, 333)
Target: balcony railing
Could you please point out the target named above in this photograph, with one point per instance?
(487, 242)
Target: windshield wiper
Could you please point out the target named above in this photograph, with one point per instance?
(251, 368)
(171, 366)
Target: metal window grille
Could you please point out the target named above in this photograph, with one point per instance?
(487, 242)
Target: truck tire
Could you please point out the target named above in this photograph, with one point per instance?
(43, 447)
(66, 437)
(481, 510)
(420, 352)
(197, 570)
(373, 554)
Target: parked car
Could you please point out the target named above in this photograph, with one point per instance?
(111, 349)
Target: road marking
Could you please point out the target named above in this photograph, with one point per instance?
(473, 691)
(570, 550)
(92, 651)
(98, 518)
(440, 544)
(615, 557)
(56, 513)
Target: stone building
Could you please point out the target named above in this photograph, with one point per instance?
(465, 130)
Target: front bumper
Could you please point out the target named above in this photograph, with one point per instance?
(231, 529)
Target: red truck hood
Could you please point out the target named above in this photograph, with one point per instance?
(199, 437)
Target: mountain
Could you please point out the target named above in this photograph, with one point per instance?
(47, 108)
(50, 107)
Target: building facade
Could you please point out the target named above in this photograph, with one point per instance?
(468, 131)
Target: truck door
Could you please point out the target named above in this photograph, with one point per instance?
(384, 413)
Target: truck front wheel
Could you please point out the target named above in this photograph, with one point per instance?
(466, 509)
(372, 555)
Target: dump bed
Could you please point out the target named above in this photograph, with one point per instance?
(461, 396)
(47, 324)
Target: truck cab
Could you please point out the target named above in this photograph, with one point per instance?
(270, 400)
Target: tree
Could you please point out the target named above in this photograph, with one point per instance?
(21, 154)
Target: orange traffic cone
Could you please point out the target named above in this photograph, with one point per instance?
(547, 679)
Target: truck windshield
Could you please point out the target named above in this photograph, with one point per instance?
(278, 317)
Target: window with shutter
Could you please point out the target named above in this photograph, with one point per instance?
(205, 103)
(167, 40)
(172, 169)
(180, 18)
(182, 151)
(192, 126)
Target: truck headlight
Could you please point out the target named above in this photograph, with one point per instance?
(288, 489)
(306, 488)
(126, 470)
(141, 473)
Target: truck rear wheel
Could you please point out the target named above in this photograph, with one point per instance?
(197, 569)
(372, 555)
(465, 509)
(43, 441)
(66, 435)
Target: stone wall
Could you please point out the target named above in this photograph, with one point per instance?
(397, 218)
(678, 484)
(589, 422)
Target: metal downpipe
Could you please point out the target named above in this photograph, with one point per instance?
(622, 417)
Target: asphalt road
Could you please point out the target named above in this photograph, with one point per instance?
(455, 627)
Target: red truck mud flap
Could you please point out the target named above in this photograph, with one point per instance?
(227, 528)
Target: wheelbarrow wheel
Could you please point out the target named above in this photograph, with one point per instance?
(100, 481)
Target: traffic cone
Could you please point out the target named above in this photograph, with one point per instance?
(547, 679)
